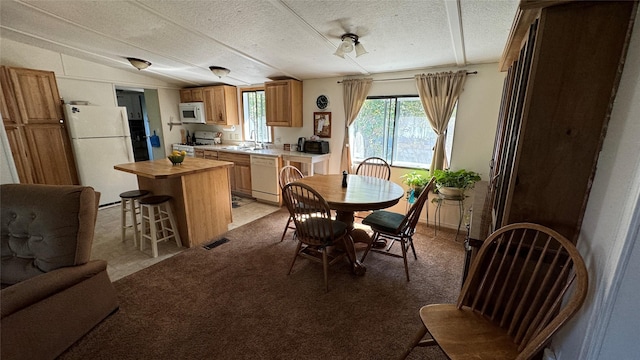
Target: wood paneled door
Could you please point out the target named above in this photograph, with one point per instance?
(35, 126)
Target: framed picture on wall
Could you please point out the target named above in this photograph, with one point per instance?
(322, 124)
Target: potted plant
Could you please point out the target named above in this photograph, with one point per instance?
(454, 183)
(416, 180)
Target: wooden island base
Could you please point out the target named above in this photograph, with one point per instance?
(201, 194)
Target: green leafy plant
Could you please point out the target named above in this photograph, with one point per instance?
(416, 179)
(461, 179)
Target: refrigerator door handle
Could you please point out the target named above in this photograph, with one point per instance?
(127, 143)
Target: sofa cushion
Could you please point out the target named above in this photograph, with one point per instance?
(44, 227)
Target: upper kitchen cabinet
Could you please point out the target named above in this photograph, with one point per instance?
(191, 95)
(283, 103)
(35, 127)
(564, 62)
(132, 101)
(221, 105)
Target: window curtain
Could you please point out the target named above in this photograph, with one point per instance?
(354, 94)
(439, 93)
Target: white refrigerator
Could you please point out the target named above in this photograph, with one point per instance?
(100, 139)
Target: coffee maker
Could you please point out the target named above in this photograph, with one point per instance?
(301, 141)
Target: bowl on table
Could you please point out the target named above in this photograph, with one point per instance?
(176, 159)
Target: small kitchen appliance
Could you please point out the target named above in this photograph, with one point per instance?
(316, 147)
(192, 113)
(301, 141)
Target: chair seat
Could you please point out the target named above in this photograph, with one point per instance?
(385, 221)
(338, 228)
(155, 200)
(464, 334)
(132, 194)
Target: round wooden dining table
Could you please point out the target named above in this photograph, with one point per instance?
(362, 193)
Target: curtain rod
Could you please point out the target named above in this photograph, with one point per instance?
(409, 78)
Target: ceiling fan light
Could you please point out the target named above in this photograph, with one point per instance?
(139, 63)
(219, 71)
(339, 52)
(347, 45)
(360, 50)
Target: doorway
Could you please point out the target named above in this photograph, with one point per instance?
(145, 126)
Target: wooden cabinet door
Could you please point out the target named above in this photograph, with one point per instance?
(210, 154)
(191, 95)
(20, 154)
(221, 105)
(49, 147)
(276, 95)
(8, 105)
(283, 102)
(243, 178)
(36, 94)
(39, 140)
(219, 114)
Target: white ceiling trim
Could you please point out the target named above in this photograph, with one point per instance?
(455, 28)
(124, 62)
(228, 47)
(92, 54)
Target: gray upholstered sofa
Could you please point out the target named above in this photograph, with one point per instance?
(52, 294)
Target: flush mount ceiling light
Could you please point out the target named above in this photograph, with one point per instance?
(139, 63)
(349, 42)
(219, 71)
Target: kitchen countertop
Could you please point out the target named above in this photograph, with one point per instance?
(264, 152)
(162, 168)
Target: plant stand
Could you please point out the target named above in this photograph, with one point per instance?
(452, 200)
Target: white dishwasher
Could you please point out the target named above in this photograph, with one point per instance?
(264, 178)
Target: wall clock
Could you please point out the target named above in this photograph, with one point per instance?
(322, 102)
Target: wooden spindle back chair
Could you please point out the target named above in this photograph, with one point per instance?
(288, 174)
(526, 282)
(375, 167)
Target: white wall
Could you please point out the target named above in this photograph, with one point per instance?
(475, 124)
(606, 327)
(85, 80)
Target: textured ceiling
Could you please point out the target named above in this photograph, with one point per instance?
(262, 39)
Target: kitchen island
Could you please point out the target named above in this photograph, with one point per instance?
(201, 194)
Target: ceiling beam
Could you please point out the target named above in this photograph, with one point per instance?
(455, 29)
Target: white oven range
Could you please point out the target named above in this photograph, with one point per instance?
(202, 138)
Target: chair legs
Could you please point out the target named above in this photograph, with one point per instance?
(417, 341)
(295, 256)
(286, 228)
(405, 244)
(326, 260)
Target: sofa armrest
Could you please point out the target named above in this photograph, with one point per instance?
(35, 289)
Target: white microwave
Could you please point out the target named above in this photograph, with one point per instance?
(192, 112)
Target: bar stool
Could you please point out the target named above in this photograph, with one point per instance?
(129, 201)
(155, 212)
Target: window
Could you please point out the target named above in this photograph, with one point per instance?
(397, 130)
(255, 120)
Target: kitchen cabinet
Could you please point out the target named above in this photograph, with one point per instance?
(221, 105)
(283, 103)
(191, 95)
(240, 173)
(210, 154)
(32, 115)
(133, 104)
(563, 63)
(206, 154)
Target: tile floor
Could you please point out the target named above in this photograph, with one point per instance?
(124, 259)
